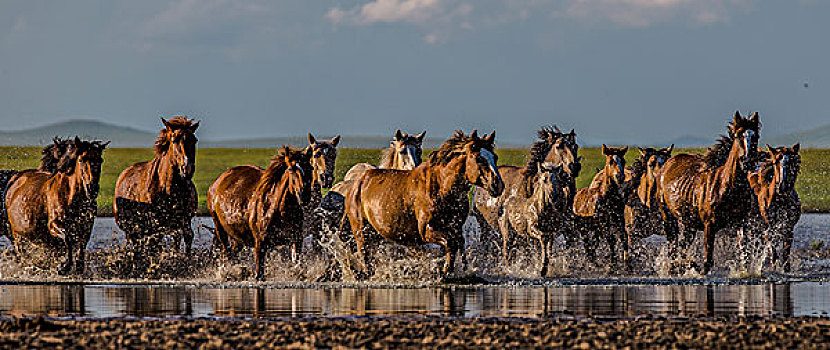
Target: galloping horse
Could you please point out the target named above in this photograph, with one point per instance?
(404, 153)
(57, 208)
(323, 159)
(428, 204)
(541, 216)
(642, 203)
(600, 207)
(779, 207)
(711, 192)
(158, 196)
(554, 148)
(263, 208)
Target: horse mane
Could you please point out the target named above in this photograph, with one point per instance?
(178, 122)
(53, 153)
(455, 145)
(386, 157)
(717, 154)
(275, 171)
(548, 135)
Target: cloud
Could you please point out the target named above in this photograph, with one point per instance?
(413, 11)
(645, 13)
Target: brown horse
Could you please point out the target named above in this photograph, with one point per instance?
(428, 204)
(710, 192)
(541, 216)
(778, 204)
(599, 208)
(57, 208)
(263, 208)
(642, 201)
(323, 159)
(554, 148)
(158, 197)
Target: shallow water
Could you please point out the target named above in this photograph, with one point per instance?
(102, 301)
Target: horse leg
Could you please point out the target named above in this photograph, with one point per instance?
(453, 246)
(80, 258)
(785, 248)
(187, 236)
(505, 240)
(66, 266)
(259, 260)
(545, 255)
(708, 247)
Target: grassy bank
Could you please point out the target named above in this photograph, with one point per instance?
(813, 182)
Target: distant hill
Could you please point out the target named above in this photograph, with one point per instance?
(815, 138)
(347, 141)
(120, 136)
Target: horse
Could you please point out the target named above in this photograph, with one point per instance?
(428, 204)
(263, 208)
(540, 216)
(323, 159)
(554, 148)
(779, 207)
(57, 208)
(403, 153)
(599, 208)
(158, 197)
(710, 192)
(642, 201)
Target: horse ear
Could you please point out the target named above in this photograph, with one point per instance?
(194, 127)
(624, 150)
(311, 139)
(671, 148)
(572, 132)
(642, 151)
(420, 136)
(166, 124)
(797, 147)
(77, 140)
(335, 140)
(754, 117)
(604, 149)
(769, 149)
(474, 134)
(490, 138)
(398, 135)
(737, 116)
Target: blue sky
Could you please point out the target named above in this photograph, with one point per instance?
(633, 71)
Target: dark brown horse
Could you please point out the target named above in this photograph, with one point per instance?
(710, 192)
(642, 201)
(262, 208)
(57, 208)
(158, 197)
(540, 216)
(554, 148)
(599, 208)
(428, 204)
(779, 207)
(323, 159)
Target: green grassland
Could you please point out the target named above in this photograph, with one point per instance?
(813, 181)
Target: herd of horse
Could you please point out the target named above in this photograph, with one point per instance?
(734, 186)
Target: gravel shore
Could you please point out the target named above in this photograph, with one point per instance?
(419, 332)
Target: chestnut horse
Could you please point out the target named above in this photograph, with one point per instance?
(263, 208)
(642, 201)
(541, 216)
(57, 208)
(428, 204)
(554, 148)
(158, 197)
(323, 159)
(779, 207)
(600, 207)
(710, 192)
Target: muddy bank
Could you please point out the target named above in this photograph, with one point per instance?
(420, 332)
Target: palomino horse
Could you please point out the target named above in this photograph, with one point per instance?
(428, 204)
(554, 148)
(642, 202)
(404, 153)
(540, 216)
(158, 196)
(600, 207)
(710, 192)
(263, 208)
(57, 209)
(778, 204)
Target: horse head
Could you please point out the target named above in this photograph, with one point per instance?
(745, 133)
(323, 159)
(177, 141)
(88, 157)
(298, 172)
(787, 163)
(614, 163)
(481, 159)
(407, 149)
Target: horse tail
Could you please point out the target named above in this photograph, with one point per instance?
(5, 182)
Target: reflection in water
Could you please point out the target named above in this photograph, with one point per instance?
(160, 301)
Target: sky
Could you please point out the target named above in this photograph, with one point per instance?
(618, 71)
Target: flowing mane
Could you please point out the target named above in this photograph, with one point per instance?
(456, 145)
(548, 135)
(52, 155)
(178, 122)
(717, 154)
(277, 168)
